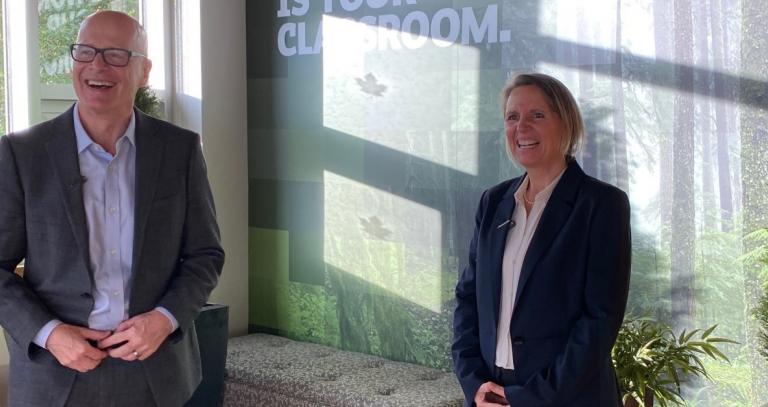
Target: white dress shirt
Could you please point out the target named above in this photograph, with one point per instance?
(518, 239)
(109, 189)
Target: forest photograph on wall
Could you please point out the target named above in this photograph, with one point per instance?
(382, 127)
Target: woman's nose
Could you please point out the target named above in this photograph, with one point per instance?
(523, 123)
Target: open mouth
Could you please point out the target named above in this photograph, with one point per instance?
(527, 144)
(99, 84)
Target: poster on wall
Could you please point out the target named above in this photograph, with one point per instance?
(375, 125)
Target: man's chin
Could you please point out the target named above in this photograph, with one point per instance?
(98, 105)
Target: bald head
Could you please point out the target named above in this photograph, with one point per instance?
(120, 23)
(106, 92)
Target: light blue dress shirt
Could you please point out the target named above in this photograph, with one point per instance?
(109, 188)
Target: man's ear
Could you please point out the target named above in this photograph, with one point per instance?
(146, 67)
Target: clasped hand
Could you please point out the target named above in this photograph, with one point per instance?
(490, 394)
(136, 338)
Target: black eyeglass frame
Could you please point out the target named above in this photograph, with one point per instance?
(101, 51)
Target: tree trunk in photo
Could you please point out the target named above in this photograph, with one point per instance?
(663, 44)
(754, 169)
(619, 126)
(647, 400)
(683, 208)
(731, 33)
(721, 117)
(703, 91)
(707, 185)
(631, 403)
(586, 92)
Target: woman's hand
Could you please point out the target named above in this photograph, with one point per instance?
(490, 394)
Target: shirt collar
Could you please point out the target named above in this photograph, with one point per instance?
(84, 140)
(544, 194)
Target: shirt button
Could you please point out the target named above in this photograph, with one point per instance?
(112, 210)
(116, 293)
(113, 252)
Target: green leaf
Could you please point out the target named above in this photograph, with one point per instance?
(708, 331)
(686, 338)
(650, 357)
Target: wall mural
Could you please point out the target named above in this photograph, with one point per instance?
(375, 125)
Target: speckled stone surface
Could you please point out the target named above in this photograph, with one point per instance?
(266, 370)
(3, 385)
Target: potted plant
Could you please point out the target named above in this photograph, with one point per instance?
(148, 102)
(651, 361)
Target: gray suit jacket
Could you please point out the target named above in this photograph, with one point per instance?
(177, 257)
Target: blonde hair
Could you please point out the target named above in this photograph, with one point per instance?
(559, 99)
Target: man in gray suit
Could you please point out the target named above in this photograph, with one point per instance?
(112, 212)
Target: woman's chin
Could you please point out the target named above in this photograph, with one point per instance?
(528, 160)
(540, 164)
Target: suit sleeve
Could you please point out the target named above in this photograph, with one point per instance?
(467, 360)
(605, 297)
(201, 258)
(22, 314)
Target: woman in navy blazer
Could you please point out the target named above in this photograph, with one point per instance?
(557, 243)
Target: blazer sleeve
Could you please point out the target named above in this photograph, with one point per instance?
(606, 289)
(22, 314)
(467, 359)
(201, 256)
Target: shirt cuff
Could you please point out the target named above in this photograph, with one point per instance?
(170, 317)
(42, 335)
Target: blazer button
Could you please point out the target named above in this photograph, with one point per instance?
(85, 295)
(517, 341)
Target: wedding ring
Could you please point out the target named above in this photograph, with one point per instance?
(136, 354)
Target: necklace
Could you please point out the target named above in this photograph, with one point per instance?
(525, 196)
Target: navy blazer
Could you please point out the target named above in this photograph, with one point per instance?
(570, 298)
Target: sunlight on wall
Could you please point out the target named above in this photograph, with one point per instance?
(580, 23)
(388, 241)
(598, 112)
(637, 29)
(418, 102)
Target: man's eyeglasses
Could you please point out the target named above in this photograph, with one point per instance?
(112, 56)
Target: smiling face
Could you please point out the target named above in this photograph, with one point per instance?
(104, 89)
(534, 131)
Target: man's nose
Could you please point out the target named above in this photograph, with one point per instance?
(99, 61)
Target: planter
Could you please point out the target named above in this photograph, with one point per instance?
(212, 335)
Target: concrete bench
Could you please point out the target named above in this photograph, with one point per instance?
(266, 370)
(3, 385)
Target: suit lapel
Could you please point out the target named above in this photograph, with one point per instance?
(498, 239)
(149, 152)
(557, 211)
(62, 151)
